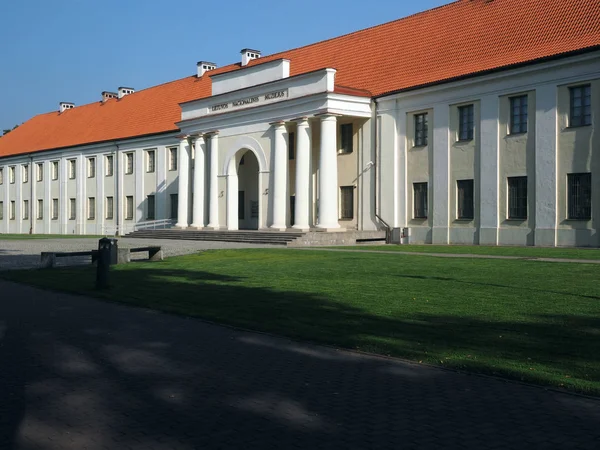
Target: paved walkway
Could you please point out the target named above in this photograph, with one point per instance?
(77, 373)
(25, 254)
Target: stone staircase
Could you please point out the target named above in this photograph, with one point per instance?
(248, 237)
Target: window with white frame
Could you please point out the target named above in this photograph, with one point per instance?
(25, 210)
(109, 208)
(109, 165)
(466, 122)
(12, 212)
(91, 208)
(173, 158)
(25, 173)
(1, 175)
(72, 169)
(150, 161)
(1, 210)
(54, 211)
(128, 163)
(421, 130)
(518, 114)
(517, 198)
(11, 174)
(72, 209)
(129, 207)
(91, 167)
(466, 200)
(40, 209)
(579, 196)
(54, 170)
(39, 171)
(580, 112)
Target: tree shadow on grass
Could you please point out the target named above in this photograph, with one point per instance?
(151, 379)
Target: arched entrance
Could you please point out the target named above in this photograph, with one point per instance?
(247, 190)
(246, 169)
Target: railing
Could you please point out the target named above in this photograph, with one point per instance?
(113, 230)
(388, 229)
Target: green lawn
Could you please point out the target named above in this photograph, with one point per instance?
(534, 321)
(524, 252)
(21, 237)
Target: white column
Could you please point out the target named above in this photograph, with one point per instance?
(328, 174)
(81, 197)
(303, 150)
(488, 171)
(198, 207)
(279, 176)
(545, 166)
(440, 178)
(214, 182)
(184, 184)
(139, 174)
(100, 195)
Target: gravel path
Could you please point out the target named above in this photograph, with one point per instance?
(25, 254)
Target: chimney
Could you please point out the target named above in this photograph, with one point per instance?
(123, 91)
(65, 105)
(108, 95)
(248, 55)
(205, 66)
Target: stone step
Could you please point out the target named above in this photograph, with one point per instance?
(250, 237)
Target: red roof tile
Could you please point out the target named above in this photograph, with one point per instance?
(462, 38)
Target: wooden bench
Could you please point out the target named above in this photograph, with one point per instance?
(154, 254)
(48, 259)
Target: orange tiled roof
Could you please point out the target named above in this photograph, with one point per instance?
(462, 38)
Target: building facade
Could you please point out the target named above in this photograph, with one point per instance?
(501, 149)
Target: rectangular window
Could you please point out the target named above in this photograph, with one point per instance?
(518, 114)
(109, 165)
(13, 208)
(1, 175)
(150, 161)
(517, 198)
(54, 209)
(129, 207)
(347, 202)
(151, 207)
(581, 106)
(91, 163)
(39, 171)
(420, 200)
(40, 209)
(72, 209)
(465, 122)
(1, 210)
(11, 175)
(72, 169)
(173, 158)
(109, 208)
(421, 130)
(174, 205)
(25, 209)
(241, 205)
(128, 163)
(291, 145)
(25, 173)
(466, 209)
(579, 192)
(347, 141)
(91, 213)
(54, 170)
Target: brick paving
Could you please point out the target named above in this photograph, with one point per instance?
(77, 373)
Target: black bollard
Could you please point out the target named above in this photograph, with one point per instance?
(105, 247)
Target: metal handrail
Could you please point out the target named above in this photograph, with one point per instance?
(388, 229)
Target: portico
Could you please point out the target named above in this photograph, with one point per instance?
(289, 128)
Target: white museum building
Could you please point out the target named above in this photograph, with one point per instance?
(483, 133)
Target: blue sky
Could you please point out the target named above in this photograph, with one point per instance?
(72, 50)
